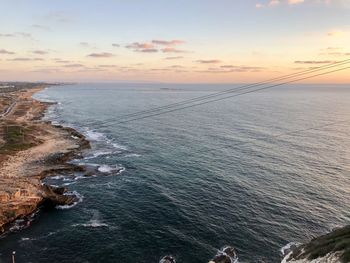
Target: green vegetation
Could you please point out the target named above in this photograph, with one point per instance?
(15, 138)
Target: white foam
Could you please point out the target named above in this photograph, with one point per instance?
(100, 137)
(80, 199)
(26, 239)
(109, 169)
(94, 224)
(132, 155)
(286, 249)
(97, 154)
(95, 136)
(118, 146)
(58, 177)
(67, 184)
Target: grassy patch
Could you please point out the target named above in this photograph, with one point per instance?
(16, 139)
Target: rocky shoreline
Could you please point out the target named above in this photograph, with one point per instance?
(331, 247)
(31, 150)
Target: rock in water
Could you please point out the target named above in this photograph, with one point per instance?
(55, 196)
(168, 259)
(226, 255)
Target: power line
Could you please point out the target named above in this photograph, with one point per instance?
(224, 98)
(244, 87)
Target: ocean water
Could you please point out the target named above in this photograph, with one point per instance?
(191, 182)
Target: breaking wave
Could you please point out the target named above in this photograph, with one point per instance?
(75, 193)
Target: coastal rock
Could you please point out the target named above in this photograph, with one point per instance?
(168, 259)
(30, 150)
(226, 255)
(332, 247)
(53, 196)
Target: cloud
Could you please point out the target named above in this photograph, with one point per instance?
(176, 66)
(173, 58)
(107, 66)
(313, 61)
(155, 46)
(138, 45)
(168, 43)
(294, 2)
(17, 34)
(40, 52)
(274, 3)
(6, 52)
(173, 50)
(59, 16)
(73, 66)
(7, 35)
(147, 50)
(115, 45)
(24, 34)
(101, 55)
(233, 68)
(336, 33)
(210, 61)
(26, 59)
(63, 61)
(84, 44)
(41, 27)
(143, 47)
(336, 3)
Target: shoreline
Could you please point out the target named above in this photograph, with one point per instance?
(31, 150)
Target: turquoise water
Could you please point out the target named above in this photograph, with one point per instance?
(196, 180)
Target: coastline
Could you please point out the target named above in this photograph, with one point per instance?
(52, 149)
(31, 150)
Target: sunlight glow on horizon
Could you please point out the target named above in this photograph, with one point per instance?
(182, 42)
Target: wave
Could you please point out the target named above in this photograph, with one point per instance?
(67, 184)
(95, 136)
(226, 254)
(92, 224)
(287, 250)
(109, 169)
(23, 223)
(101, 137)
(58, 177)
(98, 154)
(167, 259)
(75, 193)
(132, 155)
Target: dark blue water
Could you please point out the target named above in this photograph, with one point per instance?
(195, 180)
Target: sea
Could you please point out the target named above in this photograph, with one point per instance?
(254, 172)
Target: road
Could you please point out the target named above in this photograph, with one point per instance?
(8, 110)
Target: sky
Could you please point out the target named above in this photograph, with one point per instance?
(179, 41)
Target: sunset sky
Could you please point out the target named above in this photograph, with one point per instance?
(224, 41)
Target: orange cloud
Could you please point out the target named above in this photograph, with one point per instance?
(209, 61)
(336, 33)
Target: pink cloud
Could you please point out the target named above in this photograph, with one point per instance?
(168, 43)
